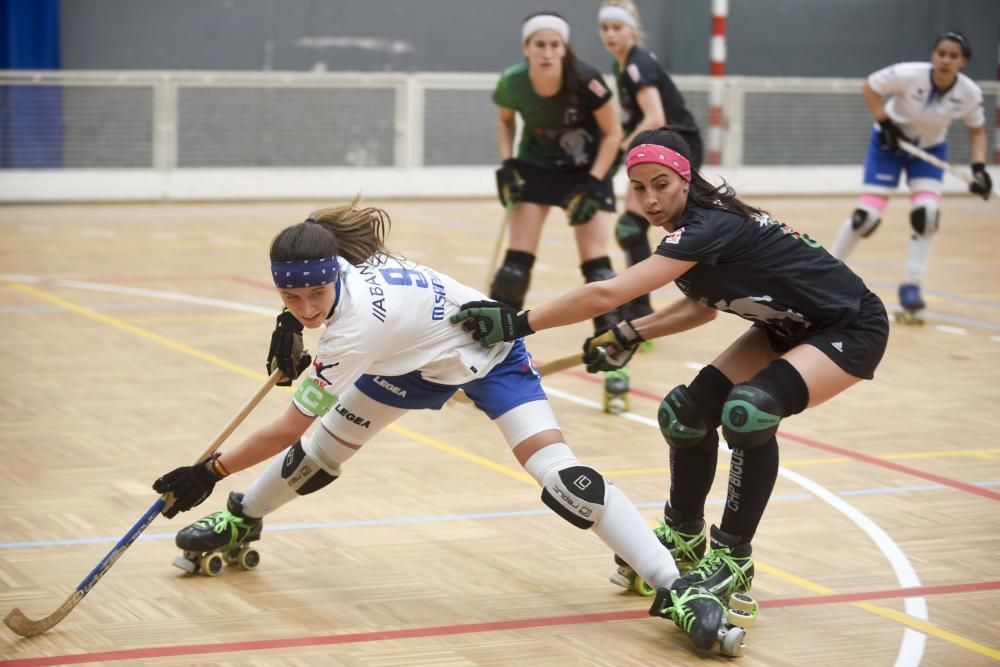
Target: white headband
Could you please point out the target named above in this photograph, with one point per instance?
(545, 22)
(616, 13)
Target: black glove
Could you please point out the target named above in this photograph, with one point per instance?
(491, 322)
(510, 185)
(286, 350)
(190, 485)
(612, 348)
(889, 135)
(982, 184)
(584, 201)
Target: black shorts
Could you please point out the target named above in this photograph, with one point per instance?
(857, 347)
(552, 187)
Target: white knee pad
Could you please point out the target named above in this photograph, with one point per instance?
(925, 218)
(865, 220)
(355, 418)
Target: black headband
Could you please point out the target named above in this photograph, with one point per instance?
(956, 37)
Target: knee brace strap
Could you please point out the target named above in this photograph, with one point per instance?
(753, 410)
(302, 473)
(577, 493)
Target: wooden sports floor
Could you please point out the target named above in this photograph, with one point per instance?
(131, 334)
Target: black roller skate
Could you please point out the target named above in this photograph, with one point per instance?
(685, 540)
(912, 304)
(218, 539)
(701, 616)
(727, 572)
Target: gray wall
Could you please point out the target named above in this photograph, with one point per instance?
(847, 38)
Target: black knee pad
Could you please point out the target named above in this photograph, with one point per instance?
(303, 473)
(753, 410)
(594, 270)
(681, 420)
(512, 279)
(924, 219)
(630, 230)
(689, 414)
(577, 494)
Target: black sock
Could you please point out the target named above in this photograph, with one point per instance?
(751, 481)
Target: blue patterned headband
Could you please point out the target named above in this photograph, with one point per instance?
(305, 272)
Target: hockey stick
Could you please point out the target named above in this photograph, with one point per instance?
(24, 626)
(501, 234)
(939, 163)
(561, 364)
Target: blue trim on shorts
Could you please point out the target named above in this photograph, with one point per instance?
(512, 382)
(883, 168)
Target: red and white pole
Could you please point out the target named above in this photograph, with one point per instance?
(717, 57)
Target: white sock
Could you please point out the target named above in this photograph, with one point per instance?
(621, 527)
(846, 239)
(917, 255)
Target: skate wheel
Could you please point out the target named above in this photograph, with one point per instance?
(615, 405)
(249, 559)
(211, 564)
(731, 641)
(743, 602)
(186, 564)
(640, 586)
(739, 618)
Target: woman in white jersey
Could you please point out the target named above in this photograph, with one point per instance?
(924, 98)
(388, 347)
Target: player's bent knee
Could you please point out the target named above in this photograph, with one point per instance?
(681, 420)
(750, 416)
(864, 221)
(303, 473)
(924, 219)
(577, 493)
(630, 230)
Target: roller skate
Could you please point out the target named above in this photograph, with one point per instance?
(912, 304)
(220, 538)
(703, 617)
(616, 400)
(727, 571)
(685, 540)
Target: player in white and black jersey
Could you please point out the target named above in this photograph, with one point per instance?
(816, 330)
(388, 347)
(648, 99)
(923, 100)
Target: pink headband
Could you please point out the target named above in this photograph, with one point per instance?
(653, 154)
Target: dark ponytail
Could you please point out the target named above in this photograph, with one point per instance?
(702, 193)
(350, 231)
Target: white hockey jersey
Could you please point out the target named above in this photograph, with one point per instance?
(391, 318)
(922, 112)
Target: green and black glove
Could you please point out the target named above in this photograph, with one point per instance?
(583, 202)
(510, 185)
(492, 322)
(611, 349)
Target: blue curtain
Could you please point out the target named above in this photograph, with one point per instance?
(31, 131)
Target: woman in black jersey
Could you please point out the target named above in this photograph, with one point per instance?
(649, 99)
(816, 331)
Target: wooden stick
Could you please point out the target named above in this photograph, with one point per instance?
(939, 163)
(24, 626)
(561, 364)
(501, 235)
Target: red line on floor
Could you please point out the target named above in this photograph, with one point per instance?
(914, 472)
(466, 628)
